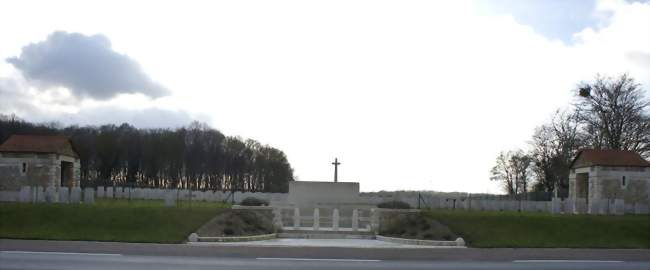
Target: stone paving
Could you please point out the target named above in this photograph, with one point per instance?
(347, 243)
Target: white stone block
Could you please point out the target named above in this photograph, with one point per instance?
(355, 220)
(170, 198)
(316, 219)
(39, 194)
(75, 195)
(50, 195)
(335, 219)
(109, 193)
(64, 195)
(25, 194)
(100, 192)
(296, 218)
(619, 207)
(556, 206)
(89, 195)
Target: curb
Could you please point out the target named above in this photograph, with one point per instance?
(196, 238)
(458, 243)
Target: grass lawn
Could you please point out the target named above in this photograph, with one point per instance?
(106, 220)
(513, 229)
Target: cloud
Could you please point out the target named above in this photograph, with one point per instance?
(86, 65)
(36, 106)
(141, 118)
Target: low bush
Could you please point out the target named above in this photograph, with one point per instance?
(394, 205)
(252, 201)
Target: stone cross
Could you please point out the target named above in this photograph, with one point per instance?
(336, 164)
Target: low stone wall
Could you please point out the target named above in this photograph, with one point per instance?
(196, 238)
(418, 242)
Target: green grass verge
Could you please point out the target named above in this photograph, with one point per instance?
(518, 230)
(106, 220)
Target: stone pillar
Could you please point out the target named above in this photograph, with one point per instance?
(355, 220)
(374, 220)
(335, 219)
(89, 195)
(316, 219)
(277, 218)
(296, 218)
(64, 195)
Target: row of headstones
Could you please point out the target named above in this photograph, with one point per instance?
(557, 205)
(182, 194)
(599, 207)
(38, 194)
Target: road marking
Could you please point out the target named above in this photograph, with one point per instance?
(309, 259)
(59, 253)
(564, 261)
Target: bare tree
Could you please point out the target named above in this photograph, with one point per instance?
(513, 171)
(553, 147)
(614, 114)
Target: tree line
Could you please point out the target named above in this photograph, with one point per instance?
(607, 113)
(195, 156)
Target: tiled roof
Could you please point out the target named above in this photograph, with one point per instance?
(615, 158)
(39, 144)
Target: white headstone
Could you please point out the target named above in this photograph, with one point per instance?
(555, 205)
(64, 195)
(50, 195)
(75, 195)
(25, 194)
(89, 195)
(619, 207)
(109, 193)
(100, 192)
(170, 198)
(39, 194)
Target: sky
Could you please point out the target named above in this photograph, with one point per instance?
(408, 95)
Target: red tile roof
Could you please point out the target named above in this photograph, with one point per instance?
(55, 144)
(614, 158)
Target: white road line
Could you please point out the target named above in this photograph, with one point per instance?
(564, 261)
(309, 259)
(58, 253)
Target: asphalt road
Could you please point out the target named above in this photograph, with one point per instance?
(34, 254)
(54, 261)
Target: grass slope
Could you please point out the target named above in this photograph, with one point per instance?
(512, 229)
(106, 220)
(238, 222)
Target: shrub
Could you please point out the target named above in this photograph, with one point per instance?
(394, 205)
(252, 201)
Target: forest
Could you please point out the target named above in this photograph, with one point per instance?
(195, 156)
